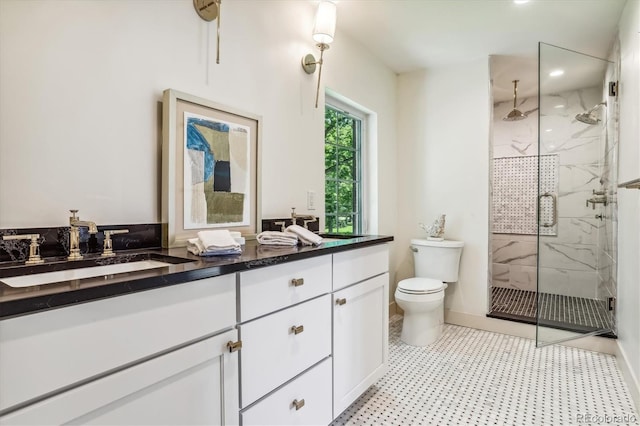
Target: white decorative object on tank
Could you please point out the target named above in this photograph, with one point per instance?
(436, 230)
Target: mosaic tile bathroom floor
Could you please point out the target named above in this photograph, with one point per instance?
(475, 377)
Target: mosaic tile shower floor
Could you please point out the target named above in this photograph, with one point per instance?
(567, 310)
(475, 377)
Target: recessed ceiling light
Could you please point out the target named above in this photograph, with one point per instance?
(549, 130)
(559, 106)
(520, 1)
(556, 73)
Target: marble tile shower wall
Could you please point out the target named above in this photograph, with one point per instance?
(513, 255)
(569, 260)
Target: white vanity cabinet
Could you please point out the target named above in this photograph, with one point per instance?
(360, 322)
(285, 314)
(291, 379)
(313, 334)
(156, 356)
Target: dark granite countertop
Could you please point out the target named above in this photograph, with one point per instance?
(184, 267)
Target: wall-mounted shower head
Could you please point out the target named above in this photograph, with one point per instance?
(589, 117)
(515, 113)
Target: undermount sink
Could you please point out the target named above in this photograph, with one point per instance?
(89, 268)
(330, 238)
(78, 274)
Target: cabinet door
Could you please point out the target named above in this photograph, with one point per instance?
(360, 339)
(197, 384)
(46, 352)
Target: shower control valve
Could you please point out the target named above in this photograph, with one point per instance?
(596, 200)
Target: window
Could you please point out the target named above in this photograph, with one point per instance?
(343, 171)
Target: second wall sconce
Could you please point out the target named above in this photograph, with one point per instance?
(323, 32)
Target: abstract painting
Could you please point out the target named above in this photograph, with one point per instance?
(210, 159)
(216, 173)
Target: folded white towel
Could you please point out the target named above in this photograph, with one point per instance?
(305, 236)
(218, 239)
(277, 238)
(195, 246)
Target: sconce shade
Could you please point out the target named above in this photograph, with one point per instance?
(325, 26)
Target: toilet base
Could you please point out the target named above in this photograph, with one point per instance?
(422, 328)
(424, 337)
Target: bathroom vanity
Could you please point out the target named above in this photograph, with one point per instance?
(275, 336)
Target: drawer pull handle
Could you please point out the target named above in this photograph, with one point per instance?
(297, 282)
(341, 301)
(297, 330)
(234, 346)
(298, 404)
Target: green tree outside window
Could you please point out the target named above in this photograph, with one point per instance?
(343, 181)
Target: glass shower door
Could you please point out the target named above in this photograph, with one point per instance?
(576, 285)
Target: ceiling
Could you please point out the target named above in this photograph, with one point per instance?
(408, 35)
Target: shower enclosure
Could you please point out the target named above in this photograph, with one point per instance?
(553, 217)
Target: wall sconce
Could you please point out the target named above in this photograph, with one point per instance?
(210, 10)
(323, 31)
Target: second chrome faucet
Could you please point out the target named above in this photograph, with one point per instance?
(306, 219)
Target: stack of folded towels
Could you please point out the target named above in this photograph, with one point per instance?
(215, 243)
(277, 238)
(306, 237)
(292, 235)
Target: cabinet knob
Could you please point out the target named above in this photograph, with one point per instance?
(297, 282)
(297, 329)
(234, 346)
(298, 404)
(341, 301)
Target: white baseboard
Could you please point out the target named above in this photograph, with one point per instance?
(627, 373)
(528, 331)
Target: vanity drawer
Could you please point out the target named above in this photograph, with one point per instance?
(62, 347)
(350, 267)
(269, 289)
(313, 387)
(273, 354)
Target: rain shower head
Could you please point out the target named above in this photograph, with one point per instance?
(589, 117)
(515, 113)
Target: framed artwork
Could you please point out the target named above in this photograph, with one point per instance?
(210, 168)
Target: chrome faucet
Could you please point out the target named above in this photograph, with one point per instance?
(306, 219)
(74, 234)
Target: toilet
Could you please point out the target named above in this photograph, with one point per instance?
(436, 263)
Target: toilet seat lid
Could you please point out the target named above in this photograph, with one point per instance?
(420, 285)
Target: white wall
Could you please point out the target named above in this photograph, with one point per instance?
(81, 83)
(443, 154)
(629, 199)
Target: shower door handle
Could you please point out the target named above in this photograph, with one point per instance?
(554, 208)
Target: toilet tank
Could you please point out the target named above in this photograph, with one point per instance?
(439, 260)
